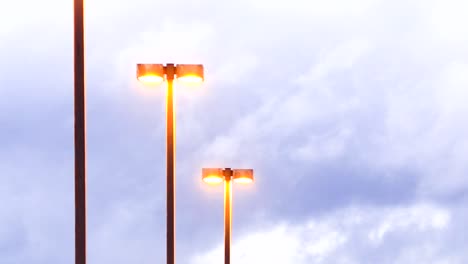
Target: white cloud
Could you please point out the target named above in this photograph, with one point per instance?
(36, 211)
(375, 102)
(425, 128)
(380, 83)
(421, 218)
(130, 225)
(342, 57)
(21, 15)
(313, 9)
(281, 114)
(236, 68)
(342, 236)
(447, 19)
(179, 42)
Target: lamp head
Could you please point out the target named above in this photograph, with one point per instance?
(244, 176)
(150, 74)
(212, 176)
(190, 73)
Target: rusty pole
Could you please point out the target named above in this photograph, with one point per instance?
(80, 134)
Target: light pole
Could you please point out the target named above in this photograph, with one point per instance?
(153, 74)
(79, 133)
(216, 176)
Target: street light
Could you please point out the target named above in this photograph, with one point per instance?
(154, 74)
(216, 176)
(80, 131)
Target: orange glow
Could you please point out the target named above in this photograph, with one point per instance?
(243, 180)
(244, 176)
(191, 79)
(213, 179)
(152, 74)
(151, 79)
(190, 73)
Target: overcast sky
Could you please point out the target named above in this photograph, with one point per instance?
(353, 115)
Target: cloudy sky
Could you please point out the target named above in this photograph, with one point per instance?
(352, 113)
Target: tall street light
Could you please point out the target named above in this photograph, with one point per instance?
(216, 176)
(154, 74)
(80, 133)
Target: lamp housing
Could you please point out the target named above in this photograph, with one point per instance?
(152, 74)
(212, 176)
(190, 73)
(244, 176)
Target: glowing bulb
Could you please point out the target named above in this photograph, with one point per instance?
(243, 180)
(151, 79)
(191, 79)
(243, 176)
(213, 179)
(190, 73)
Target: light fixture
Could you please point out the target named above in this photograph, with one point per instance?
(155, 74)
(243, 176)
(218, 175)
(152, 74)
(190, 73)
(212, 176)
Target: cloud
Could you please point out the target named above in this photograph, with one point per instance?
(131, 225)
(446, 19)
(313, 10)
(15, 18)
(382, 119)
(36, 210)
(345, 235)
(346, 110)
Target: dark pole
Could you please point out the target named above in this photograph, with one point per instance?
(227, 218)
(80, 144)
(170, 221)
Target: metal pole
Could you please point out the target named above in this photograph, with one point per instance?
(170, 221)
(227, 219)
(80, 135)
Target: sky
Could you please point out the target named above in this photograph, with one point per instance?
(352, 114)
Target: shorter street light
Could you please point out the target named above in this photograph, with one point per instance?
(154, 74)
(216, 176)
